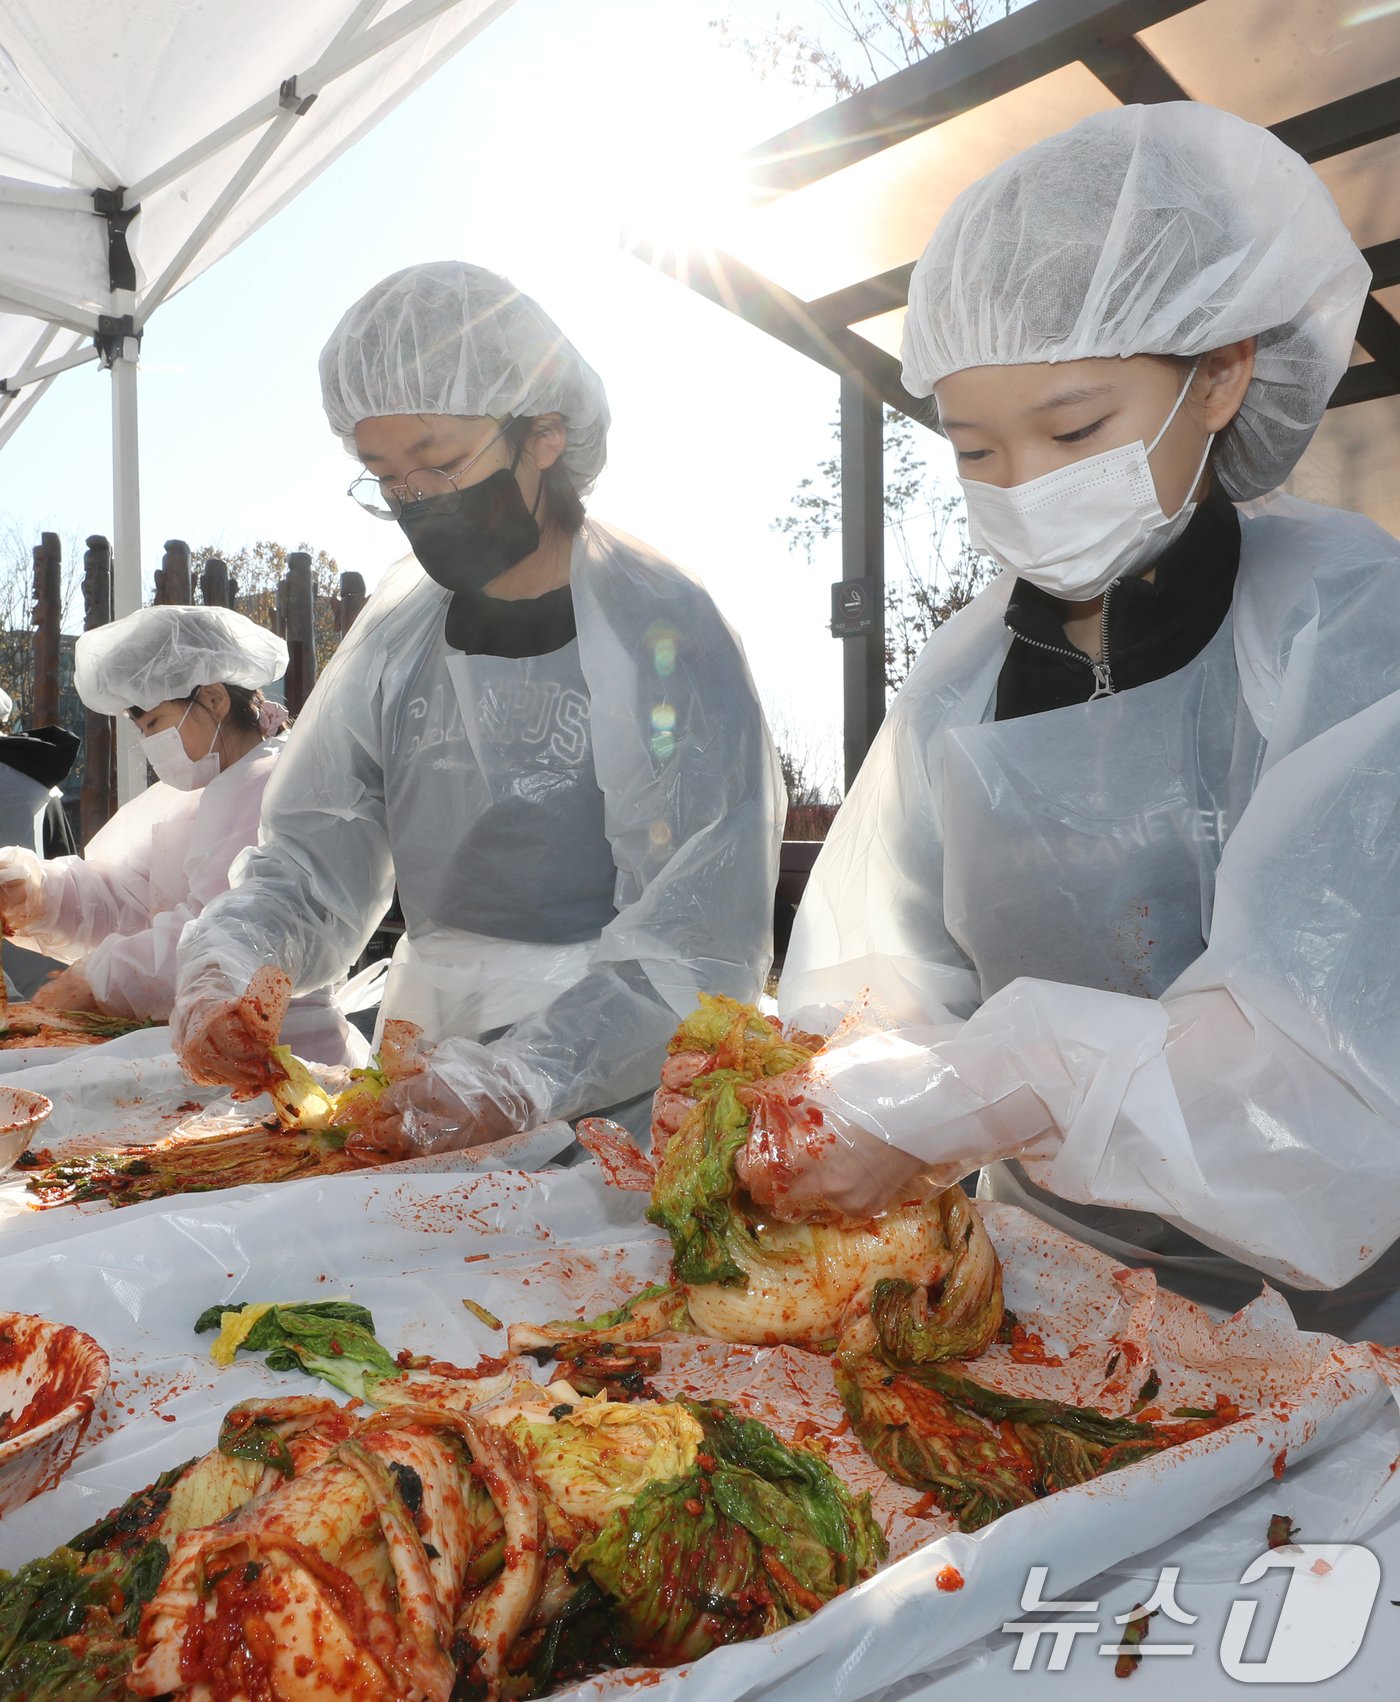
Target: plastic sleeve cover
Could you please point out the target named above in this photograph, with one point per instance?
(312, 889)
(85, 903)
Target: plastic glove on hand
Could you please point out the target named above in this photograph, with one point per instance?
(226, 1043)
(439, 1099)
(804, 1162)
(21, 889)
(66, 990)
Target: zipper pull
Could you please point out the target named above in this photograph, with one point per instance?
(1103, 681)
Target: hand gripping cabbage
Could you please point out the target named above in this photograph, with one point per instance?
(746, 1278)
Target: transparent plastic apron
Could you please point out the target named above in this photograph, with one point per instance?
(451, 981)
(1082, 846)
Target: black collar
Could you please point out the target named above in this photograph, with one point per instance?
(1153, 629)
(519, 627)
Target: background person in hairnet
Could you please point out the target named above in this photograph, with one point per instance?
(189, 678)
(544, 731)
(1124, 860)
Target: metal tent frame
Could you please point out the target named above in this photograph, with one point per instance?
(76, 333)
(1044, 37)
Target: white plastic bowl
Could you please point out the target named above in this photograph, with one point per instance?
(50, 1378)
(21, 1112)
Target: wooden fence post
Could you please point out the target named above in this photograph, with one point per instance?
(48, 621)
(215, 586)
(348, 601)
(297, 596)
(97, 799)
(173, 574)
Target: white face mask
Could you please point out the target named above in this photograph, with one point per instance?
(166, 753)
(1074, 531)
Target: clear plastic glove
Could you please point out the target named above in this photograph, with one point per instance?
(891, 1114)
(441, 1098)
(67, 990)
(225, 1042)
(804, 1161)
(21, 889)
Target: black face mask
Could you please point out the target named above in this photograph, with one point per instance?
(466, 539)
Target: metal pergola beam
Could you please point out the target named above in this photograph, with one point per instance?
(1379, 335)
(1102, 36)
(757, 300)
(1128, 70)
(863, 557)
(998, 58)
(1384, 261)
(1370, 115)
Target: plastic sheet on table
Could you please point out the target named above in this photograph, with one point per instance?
(129, 1094)
(536, 1247)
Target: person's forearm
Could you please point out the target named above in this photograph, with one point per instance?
(601, 1042)
(279, 911)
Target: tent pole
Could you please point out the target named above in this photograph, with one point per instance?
(126, 531)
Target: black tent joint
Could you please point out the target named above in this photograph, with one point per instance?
(110, 204)
(288, 97)
(113, 332)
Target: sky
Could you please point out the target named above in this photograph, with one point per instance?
(555, 128)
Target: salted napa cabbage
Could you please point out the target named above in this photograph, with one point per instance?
(351, 1578)
(746, 1279)
(330, 1339)
(68, 1622)
(978, 1451)
(301, 1101)
(756, 1536)
(595, 1456)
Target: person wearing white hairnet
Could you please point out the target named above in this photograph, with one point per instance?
(544, 731)
(1122, 865)
(189, 678)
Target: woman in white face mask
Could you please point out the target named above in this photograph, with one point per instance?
(1122, 863)
(189, 679)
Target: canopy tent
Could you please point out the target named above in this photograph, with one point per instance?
(846, 200)
(141, 140)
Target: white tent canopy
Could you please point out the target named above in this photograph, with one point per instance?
(140, 140)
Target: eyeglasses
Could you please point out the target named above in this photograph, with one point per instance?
(386, 499)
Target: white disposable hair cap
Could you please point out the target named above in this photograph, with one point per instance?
(1164, 230)
(448, 338)
(166, 653)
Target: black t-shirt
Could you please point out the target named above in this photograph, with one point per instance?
(526, 626)
(1153, 629)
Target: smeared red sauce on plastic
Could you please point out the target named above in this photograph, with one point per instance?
(949, 1578)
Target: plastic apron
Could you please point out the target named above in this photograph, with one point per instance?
(1127, 841)
(1098, 872)
(453, 981)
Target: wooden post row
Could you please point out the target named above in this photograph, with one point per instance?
(98, 797)
(348, 601)
(297, 596)
(173, 574)
(48, 618)
(216, 587)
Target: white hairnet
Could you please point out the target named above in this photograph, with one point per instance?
(448, 338)
(1171, 230)
(155, 654)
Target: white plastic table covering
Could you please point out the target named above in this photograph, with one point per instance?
(411, 1246)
